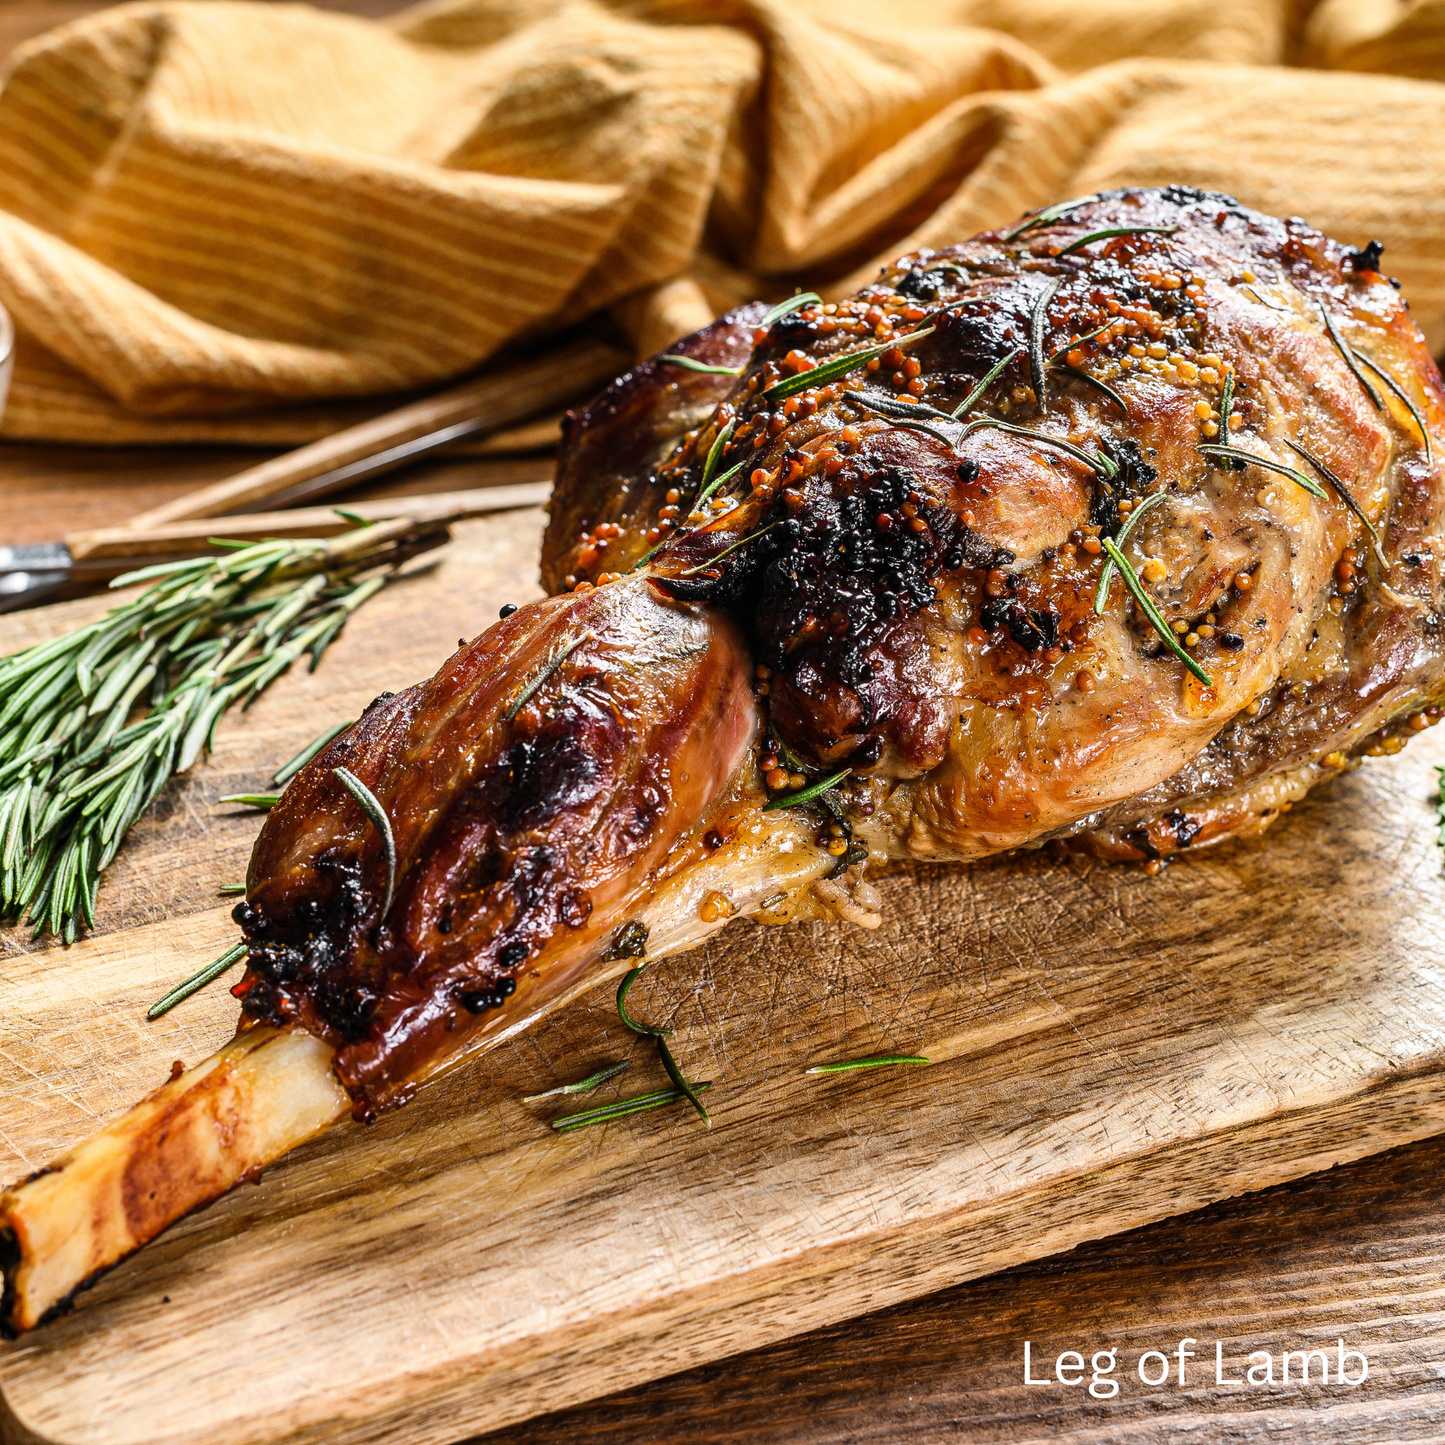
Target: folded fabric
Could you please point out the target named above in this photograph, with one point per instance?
(247, 222)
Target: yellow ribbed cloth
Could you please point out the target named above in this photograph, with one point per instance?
(241, 221)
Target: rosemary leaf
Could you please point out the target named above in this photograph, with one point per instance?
(287, 771)
(784, 308)
(651, 1031)
(1068, 346)
(582, 1086)
(894, 407)
(714, 456)
(1226, 406)
(548, 670)
(370, 804)
(1238, 454)
(1135, 517)
(264, 802)
(1440, 805)
(874, 1061)
(1111, 231)
(992, 375)
(197, 981)
(1146, 605)
(1346, 496)
(1038, 324)
(688, 364)
(1403, 396)
(806, 795)
(1349, 358)
(1045, 217)
(1262, 301)
(1079, 374)
(640, 1104)
(838, 366)
(231, 888)
(741, 542)
(678, 1082)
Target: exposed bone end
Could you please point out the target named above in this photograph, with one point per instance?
(181, 1147)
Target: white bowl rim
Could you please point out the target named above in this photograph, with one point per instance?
(7, 336)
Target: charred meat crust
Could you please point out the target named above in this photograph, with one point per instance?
(531, 786)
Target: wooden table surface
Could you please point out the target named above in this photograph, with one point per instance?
(1357, 1253)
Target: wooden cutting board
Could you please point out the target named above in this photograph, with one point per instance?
(1108, 1049)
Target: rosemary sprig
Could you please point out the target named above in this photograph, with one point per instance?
(1106, 576)
(262, 802)
(874, 1061)
(94, 723)
(370, 804)
(640, 1104)
(549, 669)
(1238, 454)
(806, 795)
(1079, 374)
(1403, 396)
(197, 981)
(1094, 460)
(1111, 231)
(688, 364)
(1345, 495)
(1349, 358)
(838, 366)
(1146, 605)
(582, 1086)
(287, 771)
(1038, 322)
(992, 375)
(783, 308)
(1045, 217)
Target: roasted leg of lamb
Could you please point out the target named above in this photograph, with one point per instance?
(1115, 530)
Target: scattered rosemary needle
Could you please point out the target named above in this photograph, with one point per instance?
(783, 308)
(1096, 461)
(1440, 804)
(1079, 374)
(1068, 346)
(1038, 323)
(1226, 405)
(741, 542)
(94, 723)
(1346, 496)
(1106, 576)
(262, 801)
(1146, 605)
(583, 1086)
(197, 981)
(549, 669)
(688, 364)
(1262, 301)
(838, 366)
(231, 888)
(874, 1061)
(659, 1036)
(1348, 355)
(370, 804)
(1250, 459)
(991, 376)
(1045, 217)
(806, 795)
(1404, 399)
(1110, 232)
(640, 1104)
(287, 771)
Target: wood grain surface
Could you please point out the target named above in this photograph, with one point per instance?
(1109, 1049)
(1356, 1253)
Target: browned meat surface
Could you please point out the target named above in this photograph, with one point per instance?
(907, 503)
